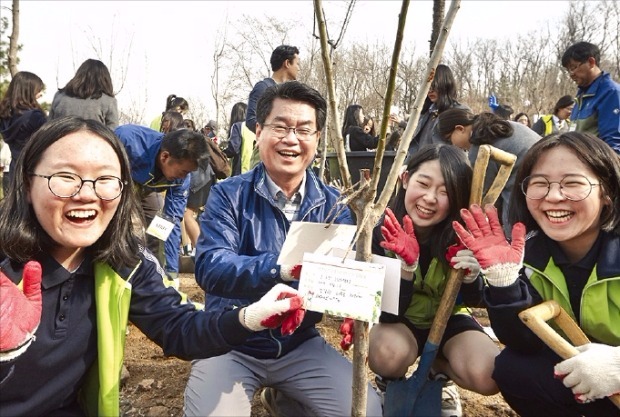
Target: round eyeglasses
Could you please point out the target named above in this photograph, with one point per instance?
(281, 131)
(67, 184)
(572, 187)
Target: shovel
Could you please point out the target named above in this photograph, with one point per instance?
(536, 318)
(419, 395)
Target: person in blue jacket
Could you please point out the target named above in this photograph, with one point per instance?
(161, 163)
(243, 228)
(74, 271)
(597, 108)
(567, 197)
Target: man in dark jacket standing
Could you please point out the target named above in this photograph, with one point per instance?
(597, 108)
(243, 229)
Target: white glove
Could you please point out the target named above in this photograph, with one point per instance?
(592, 374)
(282, 305)
(290, 272)
(464, 259)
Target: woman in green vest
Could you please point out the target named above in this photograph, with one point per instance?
(567, 197)
(435, 186)
(64, 314)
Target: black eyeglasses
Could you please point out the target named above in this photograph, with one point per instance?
(572, 187)
(573, 69)
(67, 184)
(281, 131)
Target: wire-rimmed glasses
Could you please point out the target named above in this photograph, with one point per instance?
(573, 187)
(67, 184)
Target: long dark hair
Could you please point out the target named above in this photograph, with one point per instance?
(21, 234)
(21, 95)
(445, 86)
(488, 127)
(237, 113)
(91, 80)
(351, 118)
(457, 174)
(595, 154)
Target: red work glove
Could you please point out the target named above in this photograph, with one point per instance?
(400, 240)
(500, 261)
(20, 312)
(281, 306)
(290, 272)
(347, 332)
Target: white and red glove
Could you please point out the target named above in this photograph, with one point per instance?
(281, 306)
(462, 258)
(20, 312)
(290, 272)
(592, 374)
(347, 332)
(500, 261)
(400, 240)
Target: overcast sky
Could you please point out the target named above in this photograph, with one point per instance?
(169, 45)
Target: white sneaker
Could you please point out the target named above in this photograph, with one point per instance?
(450, 401)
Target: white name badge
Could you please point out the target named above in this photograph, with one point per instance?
(160, 228)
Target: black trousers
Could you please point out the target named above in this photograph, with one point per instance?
(527, 383)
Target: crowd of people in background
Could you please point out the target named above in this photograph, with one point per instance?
(123, 209)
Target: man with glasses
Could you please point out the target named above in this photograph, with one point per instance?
(243, 228)
(160, 163)
(597, 108)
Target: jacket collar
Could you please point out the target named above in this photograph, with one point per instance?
(540, 249)
(313, 194)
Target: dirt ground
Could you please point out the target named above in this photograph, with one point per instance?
(156, 384)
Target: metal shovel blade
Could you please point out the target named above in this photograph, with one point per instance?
(417, 395)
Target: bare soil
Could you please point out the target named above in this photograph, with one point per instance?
(156, 384)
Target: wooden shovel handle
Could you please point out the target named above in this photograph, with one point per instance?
(453, 284)
(506, 161)
(536, 318)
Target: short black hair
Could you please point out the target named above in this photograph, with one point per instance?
(186, 144)
(282, 54)
(292, 90)
(581, 52)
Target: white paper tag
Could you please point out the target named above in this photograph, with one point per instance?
(391, 283)
(160, 228)
(344, 289)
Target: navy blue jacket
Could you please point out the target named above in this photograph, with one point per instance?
(241, 235)
(142, 145)
(17, 130)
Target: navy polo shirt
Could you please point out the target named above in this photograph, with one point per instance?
(575, 274)
(47, 377)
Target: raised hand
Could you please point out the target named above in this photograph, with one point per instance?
(400, 240)
(20, 312)
(493, 103)
(500, 260)
(281, 306)
(593, 374)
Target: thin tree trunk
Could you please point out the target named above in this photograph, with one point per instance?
(13, 39)
(439, 9)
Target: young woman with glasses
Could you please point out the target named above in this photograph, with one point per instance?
(567, 198)
(64, 316)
